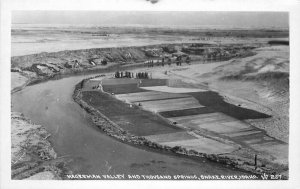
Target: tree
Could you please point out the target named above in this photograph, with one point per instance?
(188, 60)
(169, 61)
(104, 62)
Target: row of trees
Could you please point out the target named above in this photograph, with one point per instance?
(142, 75)
(126, 74)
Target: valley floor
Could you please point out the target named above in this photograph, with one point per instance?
(253, 84)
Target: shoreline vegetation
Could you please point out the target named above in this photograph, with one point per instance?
(51, 66)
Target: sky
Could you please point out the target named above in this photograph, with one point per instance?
(222, 19)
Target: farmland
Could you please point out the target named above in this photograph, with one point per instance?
(198, 120)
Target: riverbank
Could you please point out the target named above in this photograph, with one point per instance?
(114, 130)
(33, 156)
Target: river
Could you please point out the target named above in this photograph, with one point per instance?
(73, 135)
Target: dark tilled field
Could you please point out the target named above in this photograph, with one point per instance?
(153, 82)
(215, 102)
(122, 89)
(143, 82)
(130, 85)
(133, 119)
(119, 81)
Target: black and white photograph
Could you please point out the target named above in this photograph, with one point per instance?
(149, 95)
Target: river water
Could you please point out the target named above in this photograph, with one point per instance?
(91, 151)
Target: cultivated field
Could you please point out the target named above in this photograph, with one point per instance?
(133, 119)
(207, 122)
(148, 95)
(170, 104)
